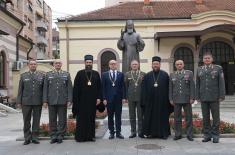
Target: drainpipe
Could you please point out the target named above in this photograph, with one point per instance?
(29, 51)
(67, 43)
(17, 43)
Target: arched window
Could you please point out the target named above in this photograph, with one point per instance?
(221, 51)
(105, 58)
(2, 69)
(185, 54)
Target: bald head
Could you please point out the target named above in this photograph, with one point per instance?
(57, 64)
(179, 64)
(113, 64)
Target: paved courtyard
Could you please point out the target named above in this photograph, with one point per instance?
(11, 128)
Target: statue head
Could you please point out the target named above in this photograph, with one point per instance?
(129, 27)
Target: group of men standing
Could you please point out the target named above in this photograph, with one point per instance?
(154, 96)
(53, 90)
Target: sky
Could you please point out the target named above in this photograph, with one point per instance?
(62, 8)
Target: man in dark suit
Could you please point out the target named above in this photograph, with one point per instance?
(114, 95)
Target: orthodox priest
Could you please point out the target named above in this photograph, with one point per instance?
(155, 102)
(86, 96)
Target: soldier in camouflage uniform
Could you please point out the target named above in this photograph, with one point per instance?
(210, 91)
(182, 95)
(57, 95)
(29, 98)
(133, 81)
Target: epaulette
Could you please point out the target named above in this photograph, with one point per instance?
(218, 66)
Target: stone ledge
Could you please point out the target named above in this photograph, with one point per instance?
(100, 132)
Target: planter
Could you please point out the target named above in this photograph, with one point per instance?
(225, 127)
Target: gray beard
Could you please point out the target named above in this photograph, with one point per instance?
(130, 31)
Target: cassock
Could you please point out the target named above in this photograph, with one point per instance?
(155, 104)
(87, 89)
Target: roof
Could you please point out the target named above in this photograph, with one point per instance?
(156, 10)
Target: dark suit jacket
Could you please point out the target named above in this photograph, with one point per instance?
(109, 92)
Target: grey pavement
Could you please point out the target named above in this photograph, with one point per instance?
(11, 128)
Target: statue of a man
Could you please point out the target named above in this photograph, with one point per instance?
(131, 44)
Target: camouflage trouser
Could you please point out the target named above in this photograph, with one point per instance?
(208, 129)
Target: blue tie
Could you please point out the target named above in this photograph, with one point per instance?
(113, 75)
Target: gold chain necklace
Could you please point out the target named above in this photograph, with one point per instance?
(89, 80)
(135, 81)
(113, 81)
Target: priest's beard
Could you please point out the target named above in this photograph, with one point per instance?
(130, 31)
(156, 70)
(88, 68)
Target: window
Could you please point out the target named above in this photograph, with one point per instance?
(30, 24)
(30, 6)
(105, 58)
(221, 51)
(2, 70)
(185, 54)
(18, 3)
(2, 3)
(25, 18)
(39, 3)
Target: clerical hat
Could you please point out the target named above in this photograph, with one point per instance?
(88, 57)
(100, 107)
(156, 58)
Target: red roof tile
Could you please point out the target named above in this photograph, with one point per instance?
(156, 10)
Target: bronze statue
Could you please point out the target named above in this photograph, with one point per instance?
(131, 44)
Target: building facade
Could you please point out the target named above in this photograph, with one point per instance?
(171, 29)
(55, 43)
(25, 32)
(38, 18)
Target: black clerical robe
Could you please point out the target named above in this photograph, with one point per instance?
(155, 104)
(86, 91)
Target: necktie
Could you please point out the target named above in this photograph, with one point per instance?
(113, 75)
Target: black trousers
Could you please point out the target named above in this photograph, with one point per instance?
(29, 111)
(114, 108)
(211, 130)
(57, 129)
